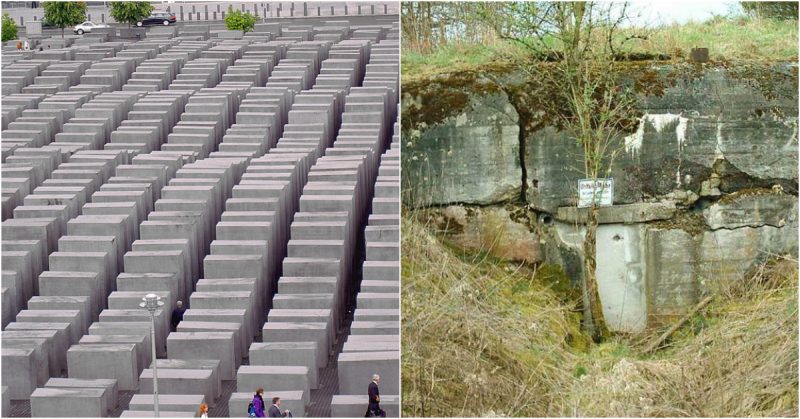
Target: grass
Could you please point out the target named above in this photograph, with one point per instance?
(483, 337)
(478, 337)
(453, 56)
(727, 39)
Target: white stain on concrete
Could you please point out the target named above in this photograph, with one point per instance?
(633, 142)
(461, 120)
(718, 151)
(792, 143)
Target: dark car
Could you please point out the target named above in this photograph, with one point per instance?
(158, 19)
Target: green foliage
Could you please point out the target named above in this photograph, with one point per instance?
(9, 28)
(785, 10)
(130, 12)
(64, 14)
(236, 20)
(728, 39)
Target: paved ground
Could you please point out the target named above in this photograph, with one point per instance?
(320, 405)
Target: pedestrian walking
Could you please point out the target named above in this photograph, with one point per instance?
(203, 412)
(275, 409)
(256, 408)
(374, 408)
(177, 315)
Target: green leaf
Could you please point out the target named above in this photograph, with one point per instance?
(130, 12)
(236, 20)
(64, 14)
(9, 28)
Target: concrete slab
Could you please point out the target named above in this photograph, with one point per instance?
(115, 361)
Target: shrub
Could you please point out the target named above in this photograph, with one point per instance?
(785, 10)
(9, 28)
(238, 20)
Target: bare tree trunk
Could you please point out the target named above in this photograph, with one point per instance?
(62, 32)
(598, 328)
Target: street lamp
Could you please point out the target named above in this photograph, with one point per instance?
(151, 303)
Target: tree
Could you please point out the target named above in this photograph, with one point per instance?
(130, 12)
(427, 25)
(236, 20)
(64, 14)
(786, 10)
(9, 28)
(580, 41)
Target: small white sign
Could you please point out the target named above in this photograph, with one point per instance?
(599, 191)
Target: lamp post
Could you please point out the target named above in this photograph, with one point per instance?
(151, 303)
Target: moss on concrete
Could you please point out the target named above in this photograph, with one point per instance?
(690, 222)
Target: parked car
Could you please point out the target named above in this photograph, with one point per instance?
(158, 19)
(88, 26)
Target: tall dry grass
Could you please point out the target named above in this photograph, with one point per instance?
(479, 338)
(737, 358)
(483, 338)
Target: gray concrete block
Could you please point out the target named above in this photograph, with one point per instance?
(54, 316)
(6, 402)
(144, 352)
(224, 316)
(151, 413)
(111, 396)
(291, 400)
(62, 402)
(19, 372)
(211, 365)
(115, 361)
(277, 378)
(372, 327)
(289, 353)
(197, 326)
(42, 354)
(205, 345)
(299, 332)
(168, 402)
(348, 406)
(180, 381)
(86, 284)
(355, 370)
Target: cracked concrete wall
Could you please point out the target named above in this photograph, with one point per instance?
(652, 271)
(471, 157)
(717, 114)
(705, 187)
(697, 128)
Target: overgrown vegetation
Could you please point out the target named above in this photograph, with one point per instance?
(771, 9)
(483, 337)
(237, 20)
(9, 28)
(479, 337)
(734, 38)
(63, 14)
(130, 12)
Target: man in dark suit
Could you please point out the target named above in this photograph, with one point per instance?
(374, 408)
(275, 409)
(177, 315)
